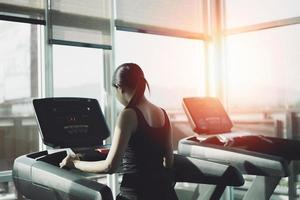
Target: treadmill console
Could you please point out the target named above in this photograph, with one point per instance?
(206, 115)
(71, 122)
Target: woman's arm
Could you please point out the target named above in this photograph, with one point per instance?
(125, 126)
(169, 157)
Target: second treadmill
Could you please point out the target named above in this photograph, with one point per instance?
(266, 157)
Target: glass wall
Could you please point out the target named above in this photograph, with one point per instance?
(19, 74)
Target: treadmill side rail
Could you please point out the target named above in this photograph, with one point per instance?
(41, 180)
(246, 163)
(216, 175)
(193, 170)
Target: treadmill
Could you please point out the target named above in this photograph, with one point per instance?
(65, 123)
(266, 157)
(78, 125)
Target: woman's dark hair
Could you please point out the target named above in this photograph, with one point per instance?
(131, 76)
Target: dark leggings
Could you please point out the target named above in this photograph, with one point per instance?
(146, 188)
(171, 195)
(119, 197)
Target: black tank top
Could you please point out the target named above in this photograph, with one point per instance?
(145, 177)
(146, 147)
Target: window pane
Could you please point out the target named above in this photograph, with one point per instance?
(172, 66)
(82, 21)
(18, 85)
(78, 72)
(157, 15)
(248, 12)
(263, 68)
(27, 9)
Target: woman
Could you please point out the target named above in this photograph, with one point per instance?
(142, 138)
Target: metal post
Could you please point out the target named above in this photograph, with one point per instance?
(217, 68)
(206, 30)
(48, 62)
(110, 110)
(292, 179)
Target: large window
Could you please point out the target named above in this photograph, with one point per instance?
(18, 85)
(172, 66)
(249, 12)
(263, 71)
(78, 72)
(263, 68)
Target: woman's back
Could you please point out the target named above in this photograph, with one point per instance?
(147, 145)
(145, 176)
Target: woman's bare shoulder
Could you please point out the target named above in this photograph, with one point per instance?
(128, 113)
(127, 119)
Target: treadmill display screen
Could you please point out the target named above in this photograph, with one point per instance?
(207, 115)
(71, 122)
